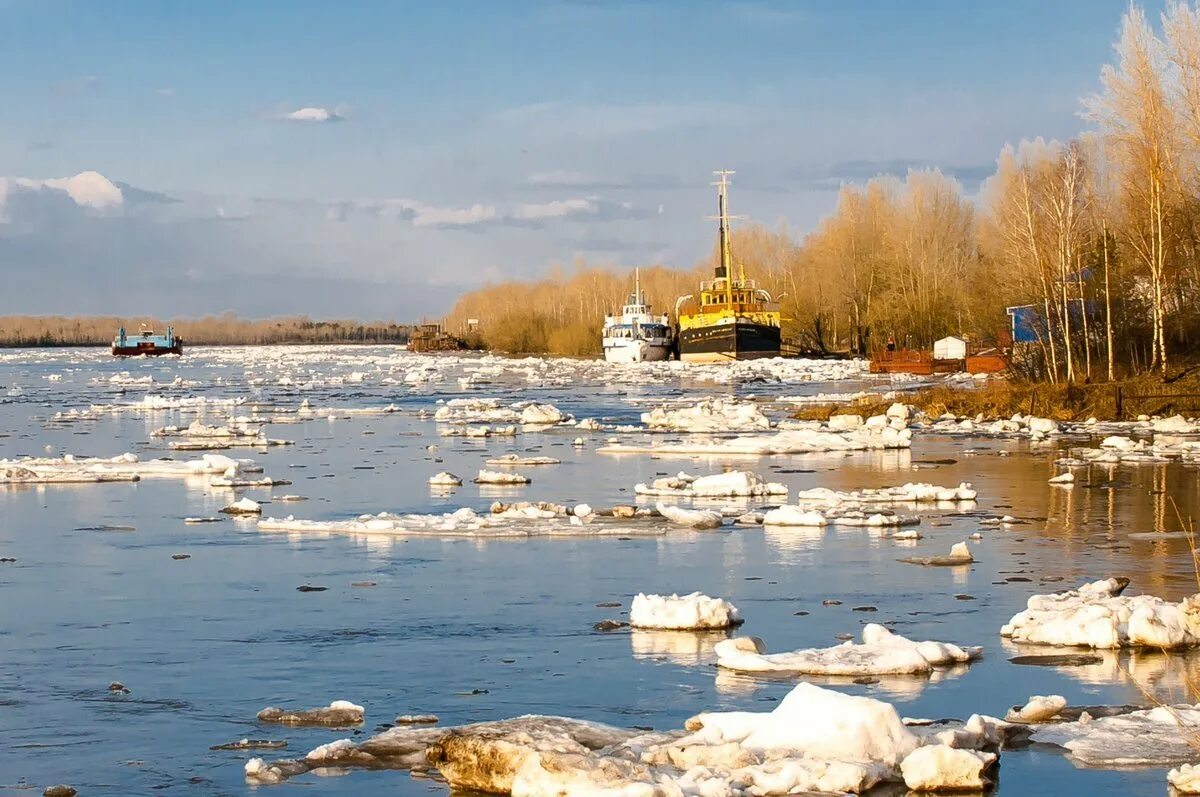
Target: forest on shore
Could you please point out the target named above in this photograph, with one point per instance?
(1097, 238)
(225, 329)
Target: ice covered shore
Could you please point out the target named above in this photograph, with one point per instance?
(1098, 615)
(815, 740)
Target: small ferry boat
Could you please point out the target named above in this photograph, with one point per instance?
(733, 319)
(147, 343)
(635, 335)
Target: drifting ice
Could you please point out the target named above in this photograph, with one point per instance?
(694, 612)
(738, 483)
(881, 653)
(1097, 615)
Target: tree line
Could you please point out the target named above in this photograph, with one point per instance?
(225, 329)
(1096, 241)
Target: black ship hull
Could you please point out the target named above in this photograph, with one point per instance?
(742, 340)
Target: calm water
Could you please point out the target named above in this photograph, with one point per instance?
(204, 643)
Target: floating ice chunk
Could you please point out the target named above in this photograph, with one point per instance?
(445, 479)
(1176, 424)
(959, 554)
(711, 415)
(500, 477)
(939, 768)
(1065, 479)
(794, 516)
(737, 483)
(528, 510)
(881, 653)
(907, 534)
(788, 441)
(1185, 779)
(518, 460)
(339, 712)
(694, 612)
(244, 506)
(541, 415)
(1039, 708)
(905, 493)
(839, 423)
(695, 518)
(1150, 737)
(1097, 615)
(583, 511)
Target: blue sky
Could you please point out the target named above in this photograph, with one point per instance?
(442, 145)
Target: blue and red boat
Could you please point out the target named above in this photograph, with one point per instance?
(146, 343)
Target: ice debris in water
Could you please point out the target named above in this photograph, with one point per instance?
(711, 415)
(339, 712)
(123, 467)
(959, 554)
(244, 506)
(880, 653)
(788, 441)
(521, 519)
(1185, 779)
(500, 477)
(694, 612)
(814, 740)
(1147, 737)
(1064, 479)
(905, 493)
(1039, 708)
(517, 459)
(492, 411)
(1097, 615)
(737, 483)
(695, 518)
(849, 515)
(445, 479)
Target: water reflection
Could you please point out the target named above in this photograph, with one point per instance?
(1166, 676)
(687, 648)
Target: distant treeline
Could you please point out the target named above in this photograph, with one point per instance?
(225, 329)
(1096, 240)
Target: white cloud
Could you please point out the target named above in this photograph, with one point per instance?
(427, 216)
(556, 210)
(312, 113)
(88, 190)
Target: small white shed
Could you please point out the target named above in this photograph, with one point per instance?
(950, 349)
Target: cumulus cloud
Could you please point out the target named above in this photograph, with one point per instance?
(90, 191)
(312, 113)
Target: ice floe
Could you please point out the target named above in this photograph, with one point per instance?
(1039, 708)
(445, 479)
(693, 518)
(1185, 779)
(505, 520)
(737, 483)
(1098, 615)
(694, 612)
(959, 554)
(337, 713)
(787, 441)
(814, 740)
(500, 477)
(1148, 737)
(711, 415)
(881, 652)
(124, 467)
(244, 506)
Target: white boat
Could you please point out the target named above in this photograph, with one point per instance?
(635, 335)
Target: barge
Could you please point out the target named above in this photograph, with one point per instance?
(145, 342)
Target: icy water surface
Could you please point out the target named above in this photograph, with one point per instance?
(474, 629)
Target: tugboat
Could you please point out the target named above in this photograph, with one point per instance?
(636, 336)
(147, 343)
(734, 319)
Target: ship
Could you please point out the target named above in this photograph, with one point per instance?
(733, 319)
(635, 335)
(146, 343)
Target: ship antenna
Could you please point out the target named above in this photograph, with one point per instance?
(723, 208)
(637, 285)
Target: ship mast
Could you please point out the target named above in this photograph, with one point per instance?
(726, 268)
(637, 286)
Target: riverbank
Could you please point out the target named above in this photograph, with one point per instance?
(1147, 394)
